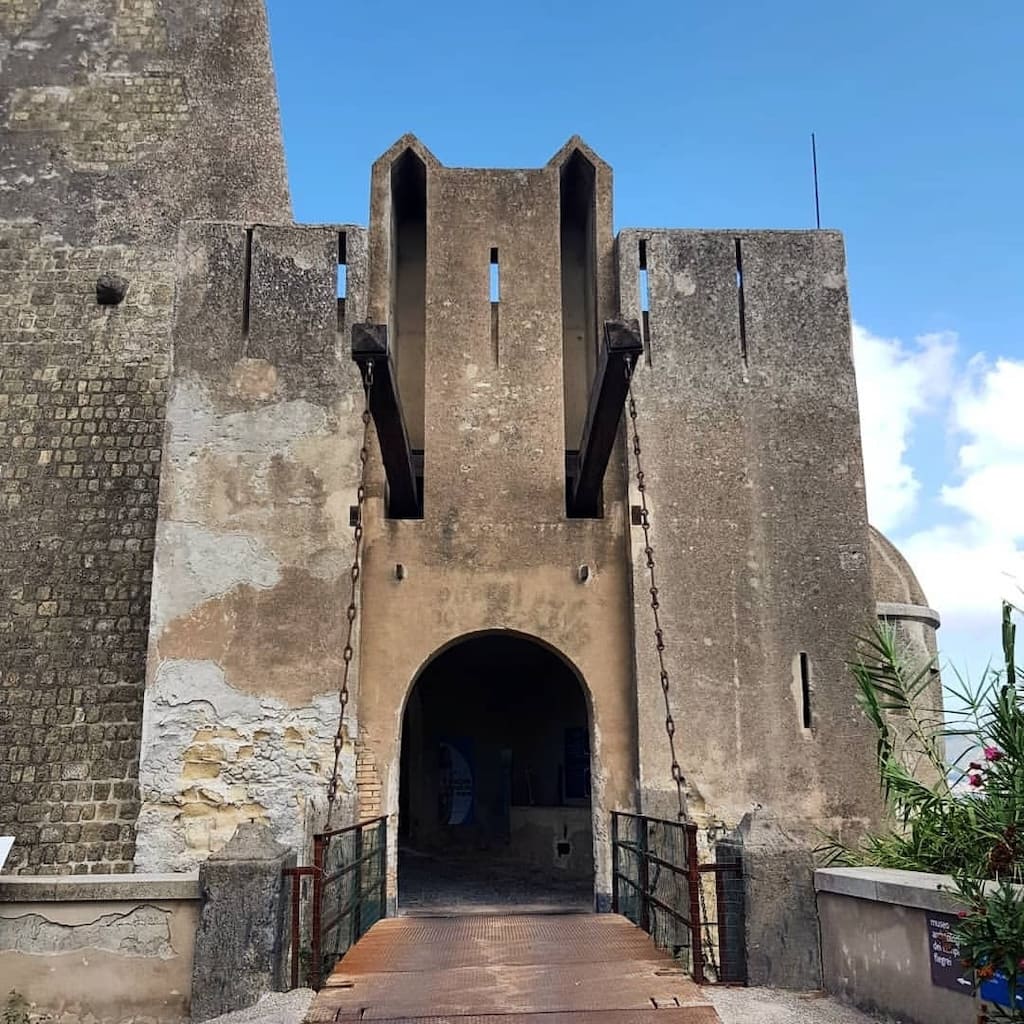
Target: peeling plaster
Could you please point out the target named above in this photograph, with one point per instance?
(266, 430)
(197, 564)
(282, 473)
(214, 757)
(143, 931)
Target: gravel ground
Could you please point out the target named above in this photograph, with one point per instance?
(276, 1008)
(775, 1006)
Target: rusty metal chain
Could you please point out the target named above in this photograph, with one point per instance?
(659, 635)
(678, 778)
(351, 612)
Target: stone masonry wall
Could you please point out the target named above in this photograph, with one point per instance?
(80, 425)
(118, 118)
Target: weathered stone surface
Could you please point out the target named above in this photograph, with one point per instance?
(238, 954)
(111, 132)
(759, 524)
(121, 121)
(253, 546)
(781, 933)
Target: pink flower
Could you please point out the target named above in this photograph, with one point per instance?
(975, 781)
(962, 914)
(993, 754)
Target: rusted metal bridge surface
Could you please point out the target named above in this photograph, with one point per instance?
(509, 969)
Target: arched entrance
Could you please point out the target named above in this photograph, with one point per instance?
(494, 803)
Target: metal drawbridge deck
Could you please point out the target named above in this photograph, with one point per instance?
(509, 969)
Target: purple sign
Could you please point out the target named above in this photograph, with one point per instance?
(948, 970)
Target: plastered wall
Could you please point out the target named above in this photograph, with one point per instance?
(254, 543)
(116, 950)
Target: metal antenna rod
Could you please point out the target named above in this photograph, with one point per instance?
(817, 202)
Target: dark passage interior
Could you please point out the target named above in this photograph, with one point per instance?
(495, 781)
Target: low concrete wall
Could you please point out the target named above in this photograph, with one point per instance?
(876, 948)
(103, 949)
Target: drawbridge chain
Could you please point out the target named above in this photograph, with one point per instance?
(659, 643)
(659, 635)
(352, 610)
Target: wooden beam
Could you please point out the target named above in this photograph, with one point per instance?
(370, 349)
(620, 353)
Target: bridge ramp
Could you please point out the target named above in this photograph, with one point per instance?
(509, 969)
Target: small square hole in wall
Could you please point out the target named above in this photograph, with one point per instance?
(636, 515)
(353, 515)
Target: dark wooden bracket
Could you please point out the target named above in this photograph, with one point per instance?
(370, 349)
(620, 353)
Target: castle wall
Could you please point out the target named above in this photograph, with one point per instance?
(751, 449)
(117, 119)
(254, 543)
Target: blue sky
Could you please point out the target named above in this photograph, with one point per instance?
(704, 112)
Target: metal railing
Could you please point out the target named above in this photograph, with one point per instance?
(348, 878)
(659, 883)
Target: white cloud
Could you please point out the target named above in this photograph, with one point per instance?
(896, 385)
(966, 571)
(975, 559)
(965, 541)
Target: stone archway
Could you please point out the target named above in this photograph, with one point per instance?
(495, 796)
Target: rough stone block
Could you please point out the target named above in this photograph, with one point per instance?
(241, 926)
(781, 926)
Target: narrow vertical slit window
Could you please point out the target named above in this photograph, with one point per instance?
(495, 285)
(805, 689)
(645, 301)
(247, 286)
(740, 300)
(342, 278)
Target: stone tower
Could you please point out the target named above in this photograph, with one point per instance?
(118, 120)
(506, 691)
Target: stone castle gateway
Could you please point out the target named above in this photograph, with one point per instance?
(180, 426)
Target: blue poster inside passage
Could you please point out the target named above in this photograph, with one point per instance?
(455, 788)
(577, 764)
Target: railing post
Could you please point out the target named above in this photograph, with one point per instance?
(615, 862)
(693, 877)
(643, 875)
(357, 888)
(382, 826)
(319, 844)
(721, 916)
(296, 938)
